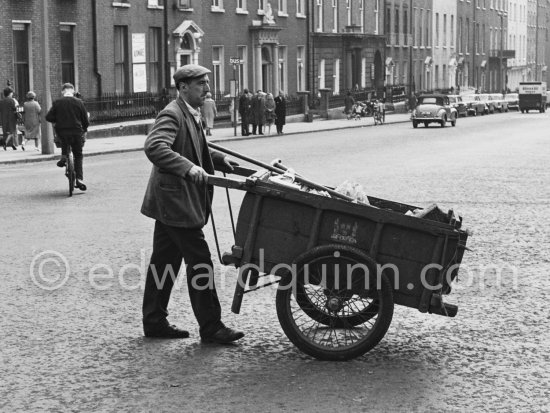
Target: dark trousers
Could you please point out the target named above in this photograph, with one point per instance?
(259, 128)
(77, 142)
(279, 127)
(245, 130)
(170, 245)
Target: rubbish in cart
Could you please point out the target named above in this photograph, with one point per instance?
(353, 190)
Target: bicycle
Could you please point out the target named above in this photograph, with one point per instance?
(70, 171)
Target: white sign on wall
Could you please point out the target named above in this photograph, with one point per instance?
(138, 48)
(140, 77)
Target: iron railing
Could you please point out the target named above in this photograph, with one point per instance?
(115, 107)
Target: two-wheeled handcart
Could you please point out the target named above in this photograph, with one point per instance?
(341, 266)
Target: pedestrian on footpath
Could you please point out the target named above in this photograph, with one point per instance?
(258, 112)
(349, 101)
(178, 198)
(209, 112)
(8, 114)
(31, 115)
(280, 112)
(70, 120)
(269, 112)
(244, 112)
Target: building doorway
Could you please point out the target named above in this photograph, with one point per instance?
(267, 70)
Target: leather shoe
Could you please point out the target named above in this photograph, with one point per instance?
(80, 185)
(62, 162)
(223, 336)
(168, 331)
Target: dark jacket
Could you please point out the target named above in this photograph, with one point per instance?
(258, 110)
(8, 115)
(244, 105)
(280, 110)
(174, 145)
(69, 115)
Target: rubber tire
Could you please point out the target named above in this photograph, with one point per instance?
(443, 121)
(426, 124)
(415, 124)
(379, 329)
(475, 112)
(71, 175)
(453, 122)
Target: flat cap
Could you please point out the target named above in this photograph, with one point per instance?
(190, 72)
(67, 86)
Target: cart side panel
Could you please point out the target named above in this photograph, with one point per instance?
(282, 233)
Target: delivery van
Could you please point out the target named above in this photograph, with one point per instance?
(532, 95)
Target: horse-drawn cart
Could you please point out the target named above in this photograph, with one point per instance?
(341, 265)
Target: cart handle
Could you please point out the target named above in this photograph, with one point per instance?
(275, 169)
(226, 182)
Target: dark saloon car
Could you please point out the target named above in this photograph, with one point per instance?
(459, 105)
(475, 105)
(434, 108)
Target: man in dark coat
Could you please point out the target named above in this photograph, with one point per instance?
(179, 198)
(8, 116)
(280, 112)
(71, 124)
(244, 111)
(258, 112)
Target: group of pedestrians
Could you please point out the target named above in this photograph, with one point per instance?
(11, 118)
(261, 110)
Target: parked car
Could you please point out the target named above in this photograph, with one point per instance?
(459, 105)
(513, 101)
(475, 105)
(434, 108)
(489, 102)
(499, 102)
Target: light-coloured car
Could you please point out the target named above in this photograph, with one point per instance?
(499, 103)
(434, 108)
(513, 101)
(489, 102)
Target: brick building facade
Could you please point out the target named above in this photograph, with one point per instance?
(130, 46)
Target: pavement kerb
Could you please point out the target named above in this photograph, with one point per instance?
(42, 158)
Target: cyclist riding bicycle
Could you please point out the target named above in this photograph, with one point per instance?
(71, 124)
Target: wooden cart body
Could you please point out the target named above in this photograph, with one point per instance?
(276, 224)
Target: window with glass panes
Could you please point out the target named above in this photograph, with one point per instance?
(282, 68)
(217, 68)
(242, 53)
(300, 68)
(67, 54)
(21, 59)
(154, 55)
(121, 59)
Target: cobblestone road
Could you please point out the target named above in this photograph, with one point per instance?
(80, 347)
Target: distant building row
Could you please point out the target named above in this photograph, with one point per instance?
(105, 46)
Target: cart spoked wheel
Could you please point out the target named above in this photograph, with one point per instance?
(336, 307)
(313, 301)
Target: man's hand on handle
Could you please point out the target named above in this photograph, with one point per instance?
(229, 164)
(197, 175)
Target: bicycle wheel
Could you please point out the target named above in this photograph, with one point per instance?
(70, 172)
(329, 317)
